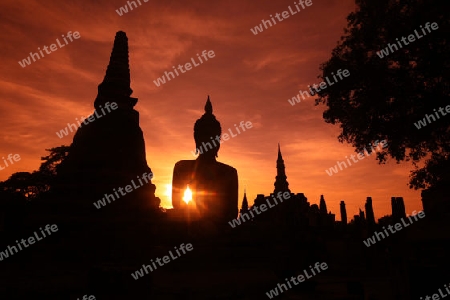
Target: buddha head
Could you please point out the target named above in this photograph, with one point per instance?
(207, 133)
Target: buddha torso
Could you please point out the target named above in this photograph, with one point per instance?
(214, 188)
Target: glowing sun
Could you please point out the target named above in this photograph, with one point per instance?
(187, 195)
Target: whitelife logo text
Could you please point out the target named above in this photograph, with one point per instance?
(27, 61)
(64, 132)
(411, 38)
(284, 15)
(187, 66)
(223, 138)
(165, 260)
(318, 87)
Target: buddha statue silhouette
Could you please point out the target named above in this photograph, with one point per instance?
(214, 185)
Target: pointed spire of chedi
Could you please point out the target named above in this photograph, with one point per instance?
(116, 84)
(323, 205)
(244, 206)
(281, 184)
(343, 213)
(279, 153)
(244, 201)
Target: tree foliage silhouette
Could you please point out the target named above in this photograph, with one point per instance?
(51, 162)
(34, 185)
(383, 97)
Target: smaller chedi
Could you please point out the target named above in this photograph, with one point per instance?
(204, 187)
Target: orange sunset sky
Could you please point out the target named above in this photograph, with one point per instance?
(250, 78)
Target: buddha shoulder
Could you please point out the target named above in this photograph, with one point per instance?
(226, 168)
(184, 164)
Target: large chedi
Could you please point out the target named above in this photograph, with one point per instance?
(109, 152)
